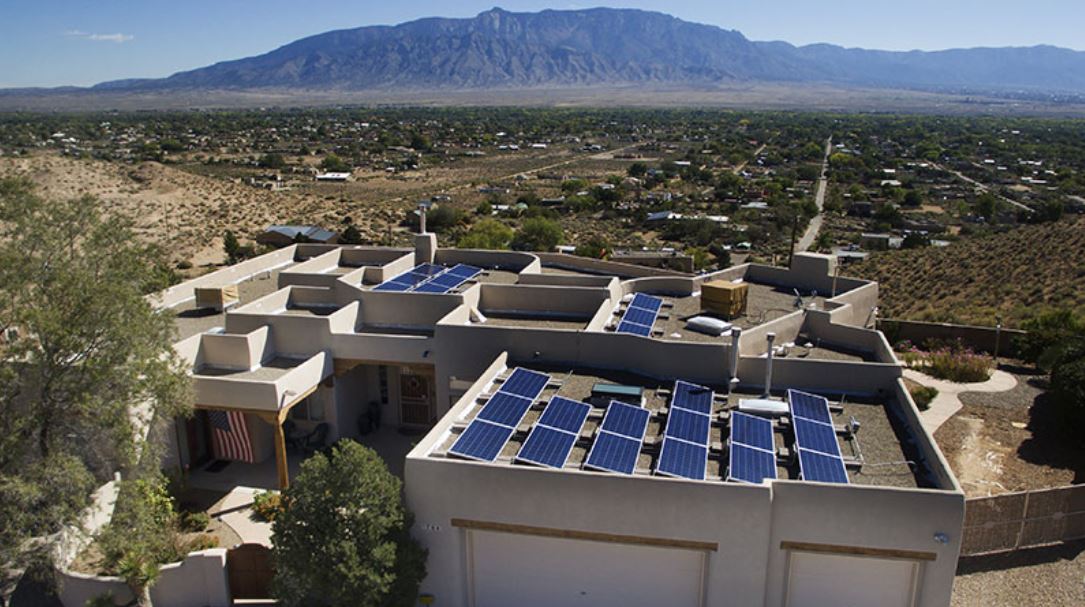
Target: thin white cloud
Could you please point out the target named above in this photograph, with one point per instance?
(116, 38)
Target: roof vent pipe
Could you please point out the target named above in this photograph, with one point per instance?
(771, 337)
(736, 333)
(421, 219)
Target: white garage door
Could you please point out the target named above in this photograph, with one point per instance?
(833, 580)
(527, 571)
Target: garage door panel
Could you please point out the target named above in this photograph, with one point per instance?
(824, 580)
(523, 570)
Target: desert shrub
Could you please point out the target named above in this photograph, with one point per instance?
(957, 364)
(538, 234)
(486, 234)
(203, 541)
(923, 395)
(195, 521)
(267, 505)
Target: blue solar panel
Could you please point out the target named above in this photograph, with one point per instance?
(682, 459)
(393, 286)
(464, 271)
(639, 316)
(820, 467)
(547, 447)
(505, 409)
(692, 397)
(635, 329)
(481, 441)
(809, 406)
(626, 420)
(432, 287)
(446, 280)
(428, 269)
(751, 465)
(565, 414)
(647, 302)
(527, 384)
(752, 431)
(688, 426)
(814, 436)
(613, 453)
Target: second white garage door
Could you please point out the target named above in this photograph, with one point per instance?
(525, 570)
(834, 580)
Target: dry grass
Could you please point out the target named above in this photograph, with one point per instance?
(1011, 274)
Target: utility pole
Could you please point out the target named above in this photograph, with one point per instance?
(998, 337)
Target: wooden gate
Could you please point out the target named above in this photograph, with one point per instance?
(249, 570)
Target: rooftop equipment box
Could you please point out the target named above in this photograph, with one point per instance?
(727, 299)
(216, 298)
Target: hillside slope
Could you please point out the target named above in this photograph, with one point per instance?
(1013, 274)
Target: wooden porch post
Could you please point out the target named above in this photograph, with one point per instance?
(280, 455)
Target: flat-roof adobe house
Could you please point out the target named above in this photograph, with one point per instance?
(576, 438)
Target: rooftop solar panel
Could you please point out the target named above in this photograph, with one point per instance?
(639, 316)
(809, 406)
(635, 329)
(481, 441)
(682, 459)
(646, 302)
(820, 467)
(814, 436)
(692, 397)
(547, 447)
(752, 431)
(393, 286)
(688, 426)
(464, 271)
(432, 287)
(751, 465)
(565, 414)
(528, 384)
(613, 453)
(428, 269)
(505, 409)
(626, 420)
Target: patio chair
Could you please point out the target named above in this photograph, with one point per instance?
(294, 439)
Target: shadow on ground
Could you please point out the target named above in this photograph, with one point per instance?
(1067, 551)
(1052, 443)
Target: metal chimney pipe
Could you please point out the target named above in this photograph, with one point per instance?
(422, 219)
(736, 333)
(771, 337)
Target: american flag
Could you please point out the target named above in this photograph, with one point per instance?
(230, 436)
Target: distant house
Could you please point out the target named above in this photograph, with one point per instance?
(281, 236)
(880, 242)
(337, 177)
(664, 216)
(861, 208)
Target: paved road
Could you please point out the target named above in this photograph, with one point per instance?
(812, 229)
(982, 186)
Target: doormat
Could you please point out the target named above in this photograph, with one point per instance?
(217, 465)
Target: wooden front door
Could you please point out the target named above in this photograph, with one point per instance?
(415, 398)
(249, 569)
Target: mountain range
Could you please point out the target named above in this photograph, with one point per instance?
(604, 46)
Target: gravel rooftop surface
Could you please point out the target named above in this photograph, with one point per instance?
(190, 321)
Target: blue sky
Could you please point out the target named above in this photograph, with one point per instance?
(82, 42)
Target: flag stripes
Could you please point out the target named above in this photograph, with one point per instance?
(230, 436)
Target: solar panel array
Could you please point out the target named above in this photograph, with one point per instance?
(552, 439)
(640, 315)
(685, 439)
(753, 449)
(430, 278)
(486, 435)
(815, 438)
(617, 444)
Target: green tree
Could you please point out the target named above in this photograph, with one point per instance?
(351, 235)
(85, 348)
(232, 247)
(487, 234)
(272, 161)
(343, 538)
(334, 164)
(538, 234)
(637, 169)
(596, 247)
